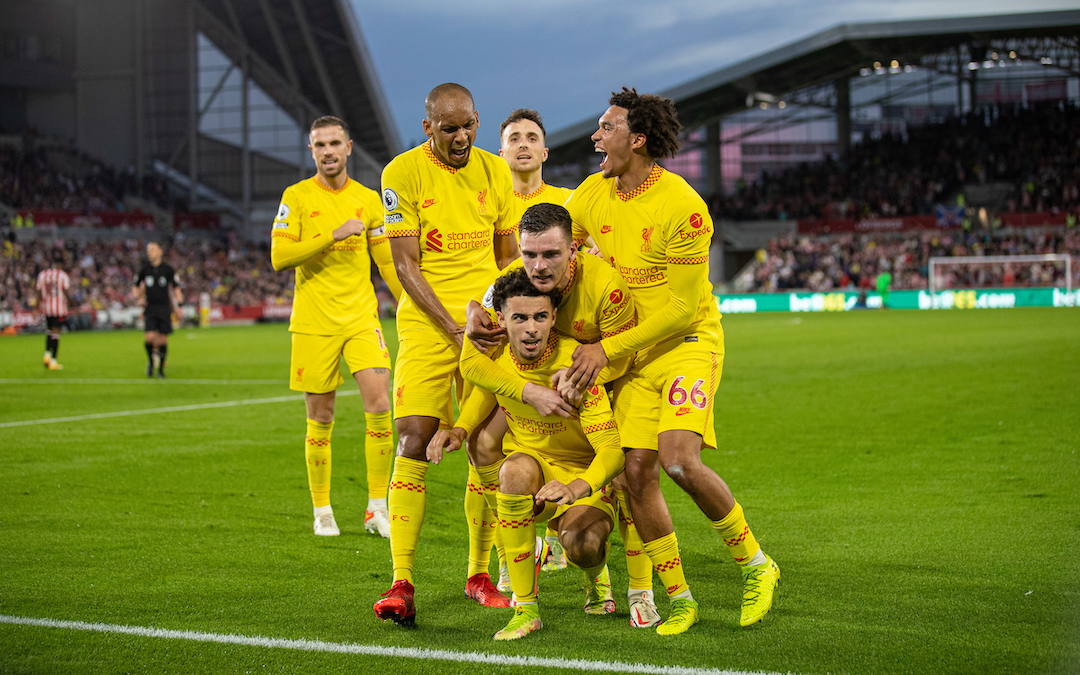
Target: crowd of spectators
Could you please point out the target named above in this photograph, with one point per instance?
(102, 273)
(49, 175)
(1035, 149)
(852, 262)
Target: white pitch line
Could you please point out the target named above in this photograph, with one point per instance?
(531, 662)
(154, 411)
(145, 380)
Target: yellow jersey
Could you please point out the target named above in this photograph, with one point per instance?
(588, 444)
(455, 213)
(657, 236)
(334, 294)
(596, 305)
(546, 194)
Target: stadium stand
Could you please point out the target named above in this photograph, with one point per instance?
(49, 175)
(852, 262)
(1034, 149)
(234, 275)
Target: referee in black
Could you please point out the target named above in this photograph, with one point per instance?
(158, 290)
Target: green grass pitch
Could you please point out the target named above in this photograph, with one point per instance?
(915, 475)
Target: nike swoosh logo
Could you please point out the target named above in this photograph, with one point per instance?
(682, 412)
(521, 557)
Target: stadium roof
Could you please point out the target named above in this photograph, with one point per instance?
(827, 56)
(308, 55)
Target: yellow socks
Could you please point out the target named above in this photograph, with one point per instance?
(407, 502)
(638, 565)
(664, 553)
(519, 536)
(378, 452)
(737, 535)
(317, 454)
(481, 522)
(489, 478)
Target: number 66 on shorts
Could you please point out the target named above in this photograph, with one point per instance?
(672, 390)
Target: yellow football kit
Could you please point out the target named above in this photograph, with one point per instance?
(657, 236)
(335, 311)
(455, 213)
(334, 298)
(596, 305)
(587, 447)
(545, 194)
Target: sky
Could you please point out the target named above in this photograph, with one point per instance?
(565, 57)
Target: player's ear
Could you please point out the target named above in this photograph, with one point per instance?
(429, 130)
(501, 320)
(637, 141)
(348, 148)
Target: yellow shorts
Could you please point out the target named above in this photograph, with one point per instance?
(315, 366)
(565, 474)
(670, 386)
(427, 376)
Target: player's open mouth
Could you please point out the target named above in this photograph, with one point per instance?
(603, 157)
(530, 345)
(459, 153)
(524, 155)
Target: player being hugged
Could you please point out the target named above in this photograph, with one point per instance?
(595, 305)
(328, 228)
(557, 467)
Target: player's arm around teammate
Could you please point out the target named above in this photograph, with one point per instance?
(657, 230)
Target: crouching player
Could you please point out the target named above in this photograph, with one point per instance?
(556, 467)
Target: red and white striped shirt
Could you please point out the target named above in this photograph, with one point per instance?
(51, 284)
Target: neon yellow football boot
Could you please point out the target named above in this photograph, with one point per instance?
(526, 620)
(683, 615)
(759, 583)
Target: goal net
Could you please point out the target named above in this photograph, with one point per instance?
(959, 273)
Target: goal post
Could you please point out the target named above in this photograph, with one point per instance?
(939, 262)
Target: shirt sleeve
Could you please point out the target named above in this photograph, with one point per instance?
(687, 257)
(684, 284)
(399, 200)
(598, 422)
(379, 246)
(478, 368)
(286, 249)
(475, 409)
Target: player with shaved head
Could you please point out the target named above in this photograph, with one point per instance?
(448, 214)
